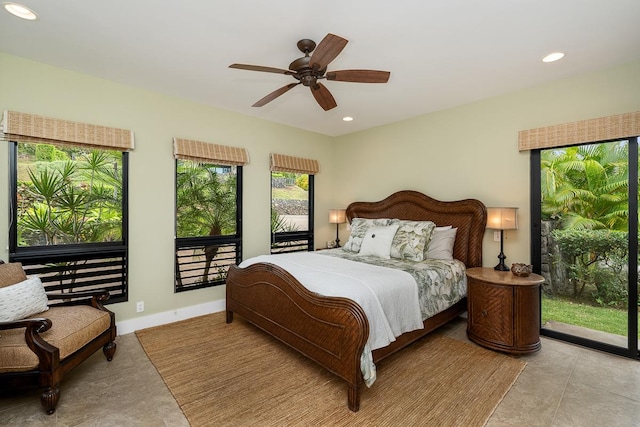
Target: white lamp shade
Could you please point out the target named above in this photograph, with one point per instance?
(502, 218)
(337, 216)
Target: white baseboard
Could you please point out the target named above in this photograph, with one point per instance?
(132, 325)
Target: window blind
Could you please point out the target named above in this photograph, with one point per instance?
(619, 126)
(23, 127)
(204, 152)
(283, 163)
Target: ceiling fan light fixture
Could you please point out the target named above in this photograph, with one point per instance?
(20, 11)
(552, 57)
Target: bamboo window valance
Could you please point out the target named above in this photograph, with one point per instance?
(593, 130)
(23, 127)
(204, 152)
(283, 163)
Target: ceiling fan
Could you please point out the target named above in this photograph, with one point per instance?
(311, 68)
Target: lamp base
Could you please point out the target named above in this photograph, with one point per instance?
(501, 267)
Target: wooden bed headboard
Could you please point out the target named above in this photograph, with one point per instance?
(469, 216)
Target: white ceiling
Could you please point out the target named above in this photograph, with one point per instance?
(441, 53)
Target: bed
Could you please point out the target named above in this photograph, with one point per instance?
(333, 331)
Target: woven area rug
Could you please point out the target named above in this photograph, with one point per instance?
(236, 375)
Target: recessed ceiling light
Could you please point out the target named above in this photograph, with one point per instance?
(20, 11)
(347, 119)
(553, 57)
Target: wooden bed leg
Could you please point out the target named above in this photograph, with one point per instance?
(354, 397)
(229, 316)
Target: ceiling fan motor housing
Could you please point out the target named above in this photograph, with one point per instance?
(307, 75)
(300, 63)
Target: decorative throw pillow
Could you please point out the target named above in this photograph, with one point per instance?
(441, 244)
(377, 241)
(359, 228)
(411, 240)
(11, 273)
(22, 300)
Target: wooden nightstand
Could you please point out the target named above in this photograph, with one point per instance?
(504, 310)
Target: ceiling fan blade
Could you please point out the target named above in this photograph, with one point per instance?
(359, 76)
(323, 96)
(273, 95)
(327, 50)
(260, 68)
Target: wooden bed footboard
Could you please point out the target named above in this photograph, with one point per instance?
(331, 331)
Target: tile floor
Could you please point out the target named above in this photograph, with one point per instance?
(562, 385)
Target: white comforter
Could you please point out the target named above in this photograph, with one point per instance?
(388, 297)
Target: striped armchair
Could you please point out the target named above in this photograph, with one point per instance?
(43, 336)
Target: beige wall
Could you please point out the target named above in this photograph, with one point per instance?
(155, 119)
(469, 151)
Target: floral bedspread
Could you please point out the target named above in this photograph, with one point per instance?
(441, 284)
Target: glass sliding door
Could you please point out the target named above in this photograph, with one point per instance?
(585, 243)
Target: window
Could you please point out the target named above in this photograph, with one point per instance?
(292, 189)
(208, 239)
(586, 214)
(69, 203)
(584, 230)
(69, 221)
(208, 213)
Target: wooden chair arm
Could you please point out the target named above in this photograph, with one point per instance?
(95, 298)
(48, 355)
(38, 324)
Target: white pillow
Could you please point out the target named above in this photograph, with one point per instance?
(359, 227)
(22, 300)
(377, 241)
(444, 227)
(441, 244)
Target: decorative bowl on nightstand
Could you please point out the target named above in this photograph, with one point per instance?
(521, 270)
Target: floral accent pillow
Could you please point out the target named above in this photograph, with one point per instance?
(411, 240)
(359, 228)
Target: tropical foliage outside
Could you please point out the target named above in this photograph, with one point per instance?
(585, 199)
(205, 199)
(68, 195)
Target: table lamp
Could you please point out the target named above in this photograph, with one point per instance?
(337, 217)
(502, 219)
